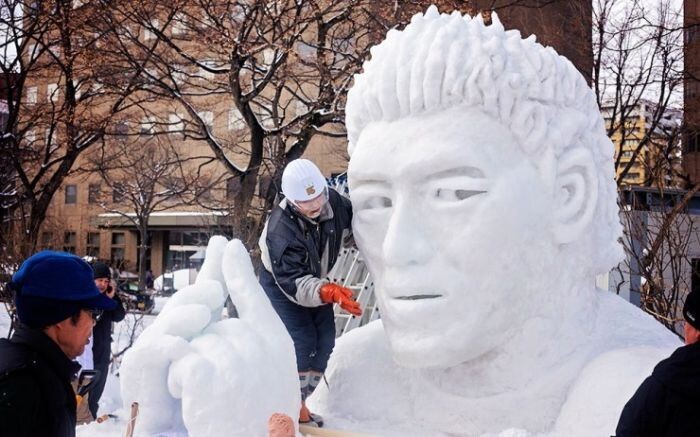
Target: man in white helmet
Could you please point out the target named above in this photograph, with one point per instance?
(299, 245)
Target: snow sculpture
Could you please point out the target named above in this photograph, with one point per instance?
(484, 202)
(198, 375)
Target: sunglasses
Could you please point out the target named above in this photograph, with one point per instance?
(96, 314)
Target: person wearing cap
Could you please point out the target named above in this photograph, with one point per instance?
(57, 305)
(299, 245)
(667, 402)
(102, 333)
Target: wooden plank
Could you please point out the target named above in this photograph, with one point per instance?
(327, 432)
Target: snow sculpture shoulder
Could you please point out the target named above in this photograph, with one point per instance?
(484, 202)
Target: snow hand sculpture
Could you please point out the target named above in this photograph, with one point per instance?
(194, 373)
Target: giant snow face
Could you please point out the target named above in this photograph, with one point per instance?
(455, 223)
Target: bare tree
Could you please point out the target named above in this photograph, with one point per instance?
(659, 236)
(145, 177)
(276, 73)
(638, 61)
(637, 78)
(59, 44)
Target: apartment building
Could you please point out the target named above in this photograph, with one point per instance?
(647, 144)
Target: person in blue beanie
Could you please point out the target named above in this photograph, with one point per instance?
(57, 306)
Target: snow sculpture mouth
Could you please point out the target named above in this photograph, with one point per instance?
(418, 297)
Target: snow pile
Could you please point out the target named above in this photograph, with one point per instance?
(194, 373)
(181, 279)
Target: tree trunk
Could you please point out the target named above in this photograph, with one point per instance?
(143, 234)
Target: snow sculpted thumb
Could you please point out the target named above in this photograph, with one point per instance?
(193, 372)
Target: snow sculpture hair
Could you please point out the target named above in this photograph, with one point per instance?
(440, 61)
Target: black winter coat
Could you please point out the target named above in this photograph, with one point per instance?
(668, 402)
(36, 397)
(295, 245)
(102, 333)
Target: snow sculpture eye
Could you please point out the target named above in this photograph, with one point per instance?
(455, 195)
(375, 203)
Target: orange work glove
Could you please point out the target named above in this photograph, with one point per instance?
(334, 293)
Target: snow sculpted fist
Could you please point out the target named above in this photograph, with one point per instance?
(194, 373)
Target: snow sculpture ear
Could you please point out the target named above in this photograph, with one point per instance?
(575, 194)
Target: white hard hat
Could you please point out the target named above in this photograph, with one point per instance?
(302, 181)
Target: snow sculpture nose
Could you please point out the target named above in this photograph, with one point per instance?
(406, 241)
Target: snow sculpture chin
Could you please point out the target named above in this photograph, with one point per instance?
(484, 202)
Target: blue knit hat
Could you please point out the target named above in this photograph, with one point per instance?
(52, 286)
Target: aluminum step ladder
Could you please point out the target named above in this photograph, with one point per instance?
(351, 272)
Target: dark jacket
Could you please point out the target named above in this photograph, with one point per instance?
(296, 246)
(102, 333)
(36, 397)
(668, 402)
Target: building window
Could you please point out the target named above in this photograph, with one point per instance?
(32, 93)
(48, 138)
(147, 33)
(31, 51)
(118, 239)
(175, 124)
(117, 249)
(69, 241)
(93, 244)
(117, 193)
(47, 240)
(116, 255)
(52, 92)
(71, 194)
(121, 131)
(268, 56)
(93, 193)
(55, 50)
(179, 24)
(30, 136)
(148, 125)
(305, 51)
(208, 118)
(178, 74)
(235, 119)
(204, 72)
(300, 108)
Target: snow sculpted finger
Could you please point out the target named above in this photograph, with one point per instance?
(251, 301)
(211, 268)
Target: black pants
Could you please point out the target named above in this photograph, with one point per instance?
(98, 387)
(311, 329)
